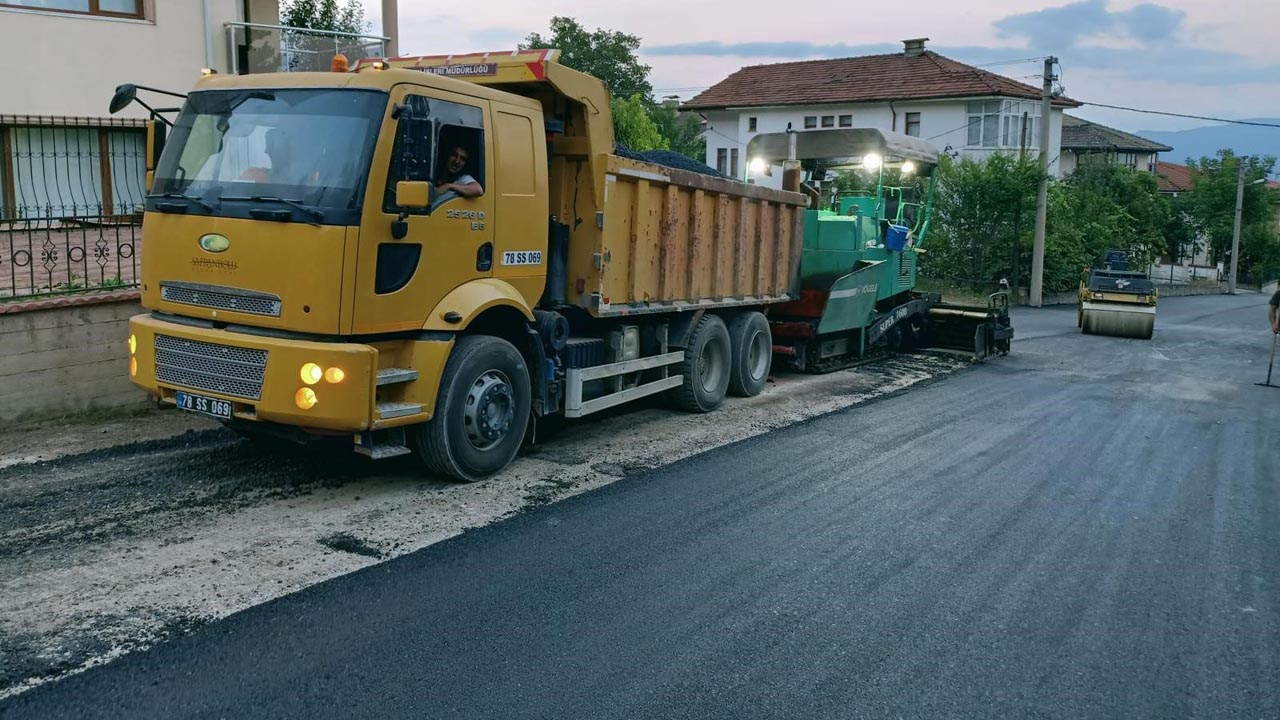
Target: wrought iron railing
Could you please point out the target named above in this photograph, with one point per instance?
(257, 48)
(68, 255)
(71, 193)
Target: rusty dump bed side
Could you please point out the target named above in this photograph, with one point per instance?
(672, 240)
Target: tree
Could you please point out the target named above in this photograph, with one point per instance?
(324, 15)
(605, 54)
(1211, 204)
(979, 233)
(633, 127)
(682, 131)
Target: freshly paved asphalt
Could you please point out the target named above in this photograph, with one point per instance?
(1089, 527)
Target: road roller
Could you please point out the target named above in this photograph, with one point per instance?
(1117, 301)
(860, 252)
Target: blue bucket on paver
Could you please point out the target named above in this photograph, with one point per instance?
(896, 238)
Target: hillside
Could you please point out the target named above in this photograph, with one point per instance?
(1206, 141)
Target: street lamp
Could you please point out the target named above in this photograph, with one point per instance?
(1235, 232)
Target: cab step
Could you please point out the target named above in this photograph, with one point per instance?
(388, 410)
(394, 376)
(382, 444)
(382, 452)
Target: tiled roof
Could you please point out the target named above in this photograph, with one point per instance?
(1087, 136)
(1172, 177)
(861, 79)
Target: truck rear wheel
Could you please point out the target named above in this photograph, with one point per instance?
(482, 410)
(752, 345)
(706, 367)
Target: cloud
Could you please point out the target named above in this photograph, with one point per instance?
(1064, 26)
(765, 49)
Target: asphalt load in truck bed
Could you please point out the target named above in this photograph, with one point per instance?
(115, 549)
(668, 158)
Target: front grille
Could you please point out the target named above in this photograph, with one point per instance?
(214, 296)
(206, 366)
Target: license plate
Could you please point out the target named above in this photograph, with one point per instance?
(204, 405)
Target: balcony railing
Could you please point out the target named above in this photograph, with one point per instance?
(255, 48)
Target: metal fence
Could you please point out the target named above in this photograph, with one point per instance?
(257, 48)
(71, 192)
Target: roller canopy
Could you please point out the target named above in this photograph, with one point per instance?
(836, 148)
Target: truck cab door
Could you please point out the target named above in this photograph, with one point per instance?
(401, 275)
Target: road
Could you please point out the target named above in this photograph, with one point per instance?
(1087, 528)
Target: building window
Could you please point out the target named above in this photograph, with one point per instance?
(913, 124)
(751, 124)
(998, 123)
(65, 170)
(722, 161)
(810, 122)
(733, 162)
(846, 121)
(828, 121)
(108, 8)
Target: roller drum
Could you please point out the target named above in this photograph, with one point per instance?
(1137, 321)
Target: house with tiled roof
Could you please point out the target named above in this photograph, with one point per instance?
(963, 110)
(1173, 179)
(1084, 141)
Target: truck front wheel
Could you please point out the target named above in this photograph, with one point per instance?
(482, 410)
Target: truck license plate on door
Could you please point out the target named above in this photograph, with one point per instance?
(204, 405)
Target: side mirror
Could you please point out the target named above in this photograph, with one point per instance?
(413, 194)
(125, 94)
(155, 145)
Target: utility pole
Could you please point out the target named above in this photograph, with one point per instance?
(1037, 288)
(1042, 200)
(391, 26)
(1235, 232)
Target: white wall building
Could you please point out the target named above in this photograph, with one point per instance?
(961, 109)
(61, 151)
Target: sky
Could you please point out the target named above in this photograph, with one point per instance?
(1218, 59)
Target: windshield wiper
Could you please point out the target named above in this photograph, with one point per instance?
(319, 216)
(179, 196)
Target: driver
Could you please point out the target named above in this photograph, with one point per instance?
(456, 180)
(285, 163)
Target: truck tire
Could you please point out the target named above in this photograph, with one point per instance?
(752, 345)
(482, 410)
(706, 367)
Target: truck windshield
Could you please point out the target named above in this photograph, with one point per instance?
(308, 146)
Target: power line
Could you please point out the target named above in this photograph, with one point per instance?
(1012, 62)
(1182, 115)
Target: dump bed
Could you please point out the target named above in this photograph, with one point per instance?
(670, 239)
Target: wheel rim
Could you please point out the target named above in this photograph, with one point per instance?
(713, 364)
(489, 411)
(758, 352)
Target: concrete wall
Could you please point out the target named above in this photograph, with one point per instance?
(66, 355)
(69, 65)
(942, 122)
(1162, 291)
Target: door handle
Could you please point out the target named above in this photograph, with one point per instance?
(484, 257)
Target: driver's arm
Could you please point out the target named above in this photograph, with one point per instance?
(466, 187)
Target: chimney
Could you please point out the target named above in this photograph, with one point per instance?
(914, 47)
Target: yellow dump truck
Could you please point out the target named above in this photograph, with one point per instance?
(432, 255)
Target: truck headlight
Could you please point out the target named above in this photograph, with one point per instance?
(311, 373)
(305, 398)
